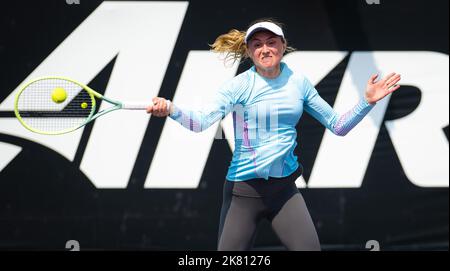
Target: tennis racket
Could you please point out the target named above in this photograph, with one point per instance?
(58, 105)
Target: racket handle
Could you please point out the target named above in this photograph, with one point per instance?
(141, 106)
(135, 106)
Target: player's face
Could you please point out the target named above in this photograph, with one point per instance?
(266, 50)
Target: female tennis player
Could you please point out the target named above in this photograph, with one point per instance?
(260, 182)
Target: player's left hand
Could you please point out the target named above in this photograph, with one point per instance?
(377, 90)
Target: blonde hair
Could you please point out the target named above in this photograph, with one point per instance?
(232, 44)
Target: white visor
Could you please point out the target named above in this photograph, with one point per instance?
(264, 26)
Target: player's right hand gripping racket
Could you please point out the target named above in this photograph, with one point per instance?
(58, 105)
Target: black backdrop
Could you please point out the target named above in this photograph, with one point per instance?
(41, 208)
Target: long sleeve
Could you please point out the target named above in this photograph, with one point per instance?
(200, 120)
(325, 114)
(222, 103)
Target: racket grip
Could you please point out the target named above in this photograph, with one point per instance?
(141, 106)
(135, 106)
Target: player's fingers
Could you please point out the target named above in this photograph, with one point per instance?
(155, 103)
(164, 107)
(159, 105)
(150, 109)
(394, 88)
(393, 80)
(393, 83)
(389, 76)
(373, 78)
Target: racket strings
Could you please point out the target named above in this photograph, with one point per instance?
(39, 111)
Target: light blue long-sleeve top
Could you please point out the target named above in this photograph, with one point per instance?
(265, 113)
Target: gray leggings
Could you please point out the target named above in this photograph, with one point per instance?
(246, 203)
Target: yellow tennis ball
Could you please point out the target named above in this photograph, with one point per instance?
(84, 105)
(59, 95)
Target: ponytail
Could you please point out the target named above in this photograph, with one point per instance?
(232, 44)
